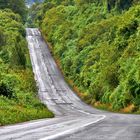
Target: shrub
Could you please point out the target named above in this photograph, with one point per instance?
(5, 90)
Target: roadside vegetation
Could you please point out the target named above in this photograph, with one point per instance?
(18, 93)
(98, 46)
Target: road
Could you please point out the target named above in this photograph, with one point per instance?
(74, 120)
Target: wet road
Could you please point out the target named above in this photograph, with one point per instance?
(74, 120)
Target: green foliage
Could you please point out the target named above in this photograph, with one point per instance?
(5, 90)
(18, 99)
(97, 43)
(12, 48)
(17, 6)
(14, 112)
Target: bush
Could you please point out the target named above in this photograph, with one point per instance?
(5, 90)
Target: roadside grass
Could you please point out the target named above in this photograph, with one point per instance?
(12, 112)
(24, 105)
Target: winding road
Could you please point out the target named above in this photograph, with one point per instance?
(74, 120)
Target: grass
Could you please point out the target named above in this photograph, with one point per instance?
(24, 105)
(21, 110)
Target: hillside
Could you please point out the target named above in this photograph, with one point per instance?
(97, 45)
(18, 91)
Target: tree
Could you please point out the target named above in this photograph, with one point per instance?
(17, 6)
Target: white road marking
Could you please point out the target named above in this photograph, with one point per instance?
(72, 130)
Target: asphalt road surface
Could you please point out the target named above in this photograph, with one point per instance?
(74, 120)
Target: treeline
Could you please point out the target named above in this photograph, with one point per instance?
(17, 6)
(118, 6)
(18, 98)
(107, 4)
(12, 35)
(97, 43)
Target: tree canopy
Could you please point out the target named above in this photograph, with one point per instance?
(97, 43)
(17, 6)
